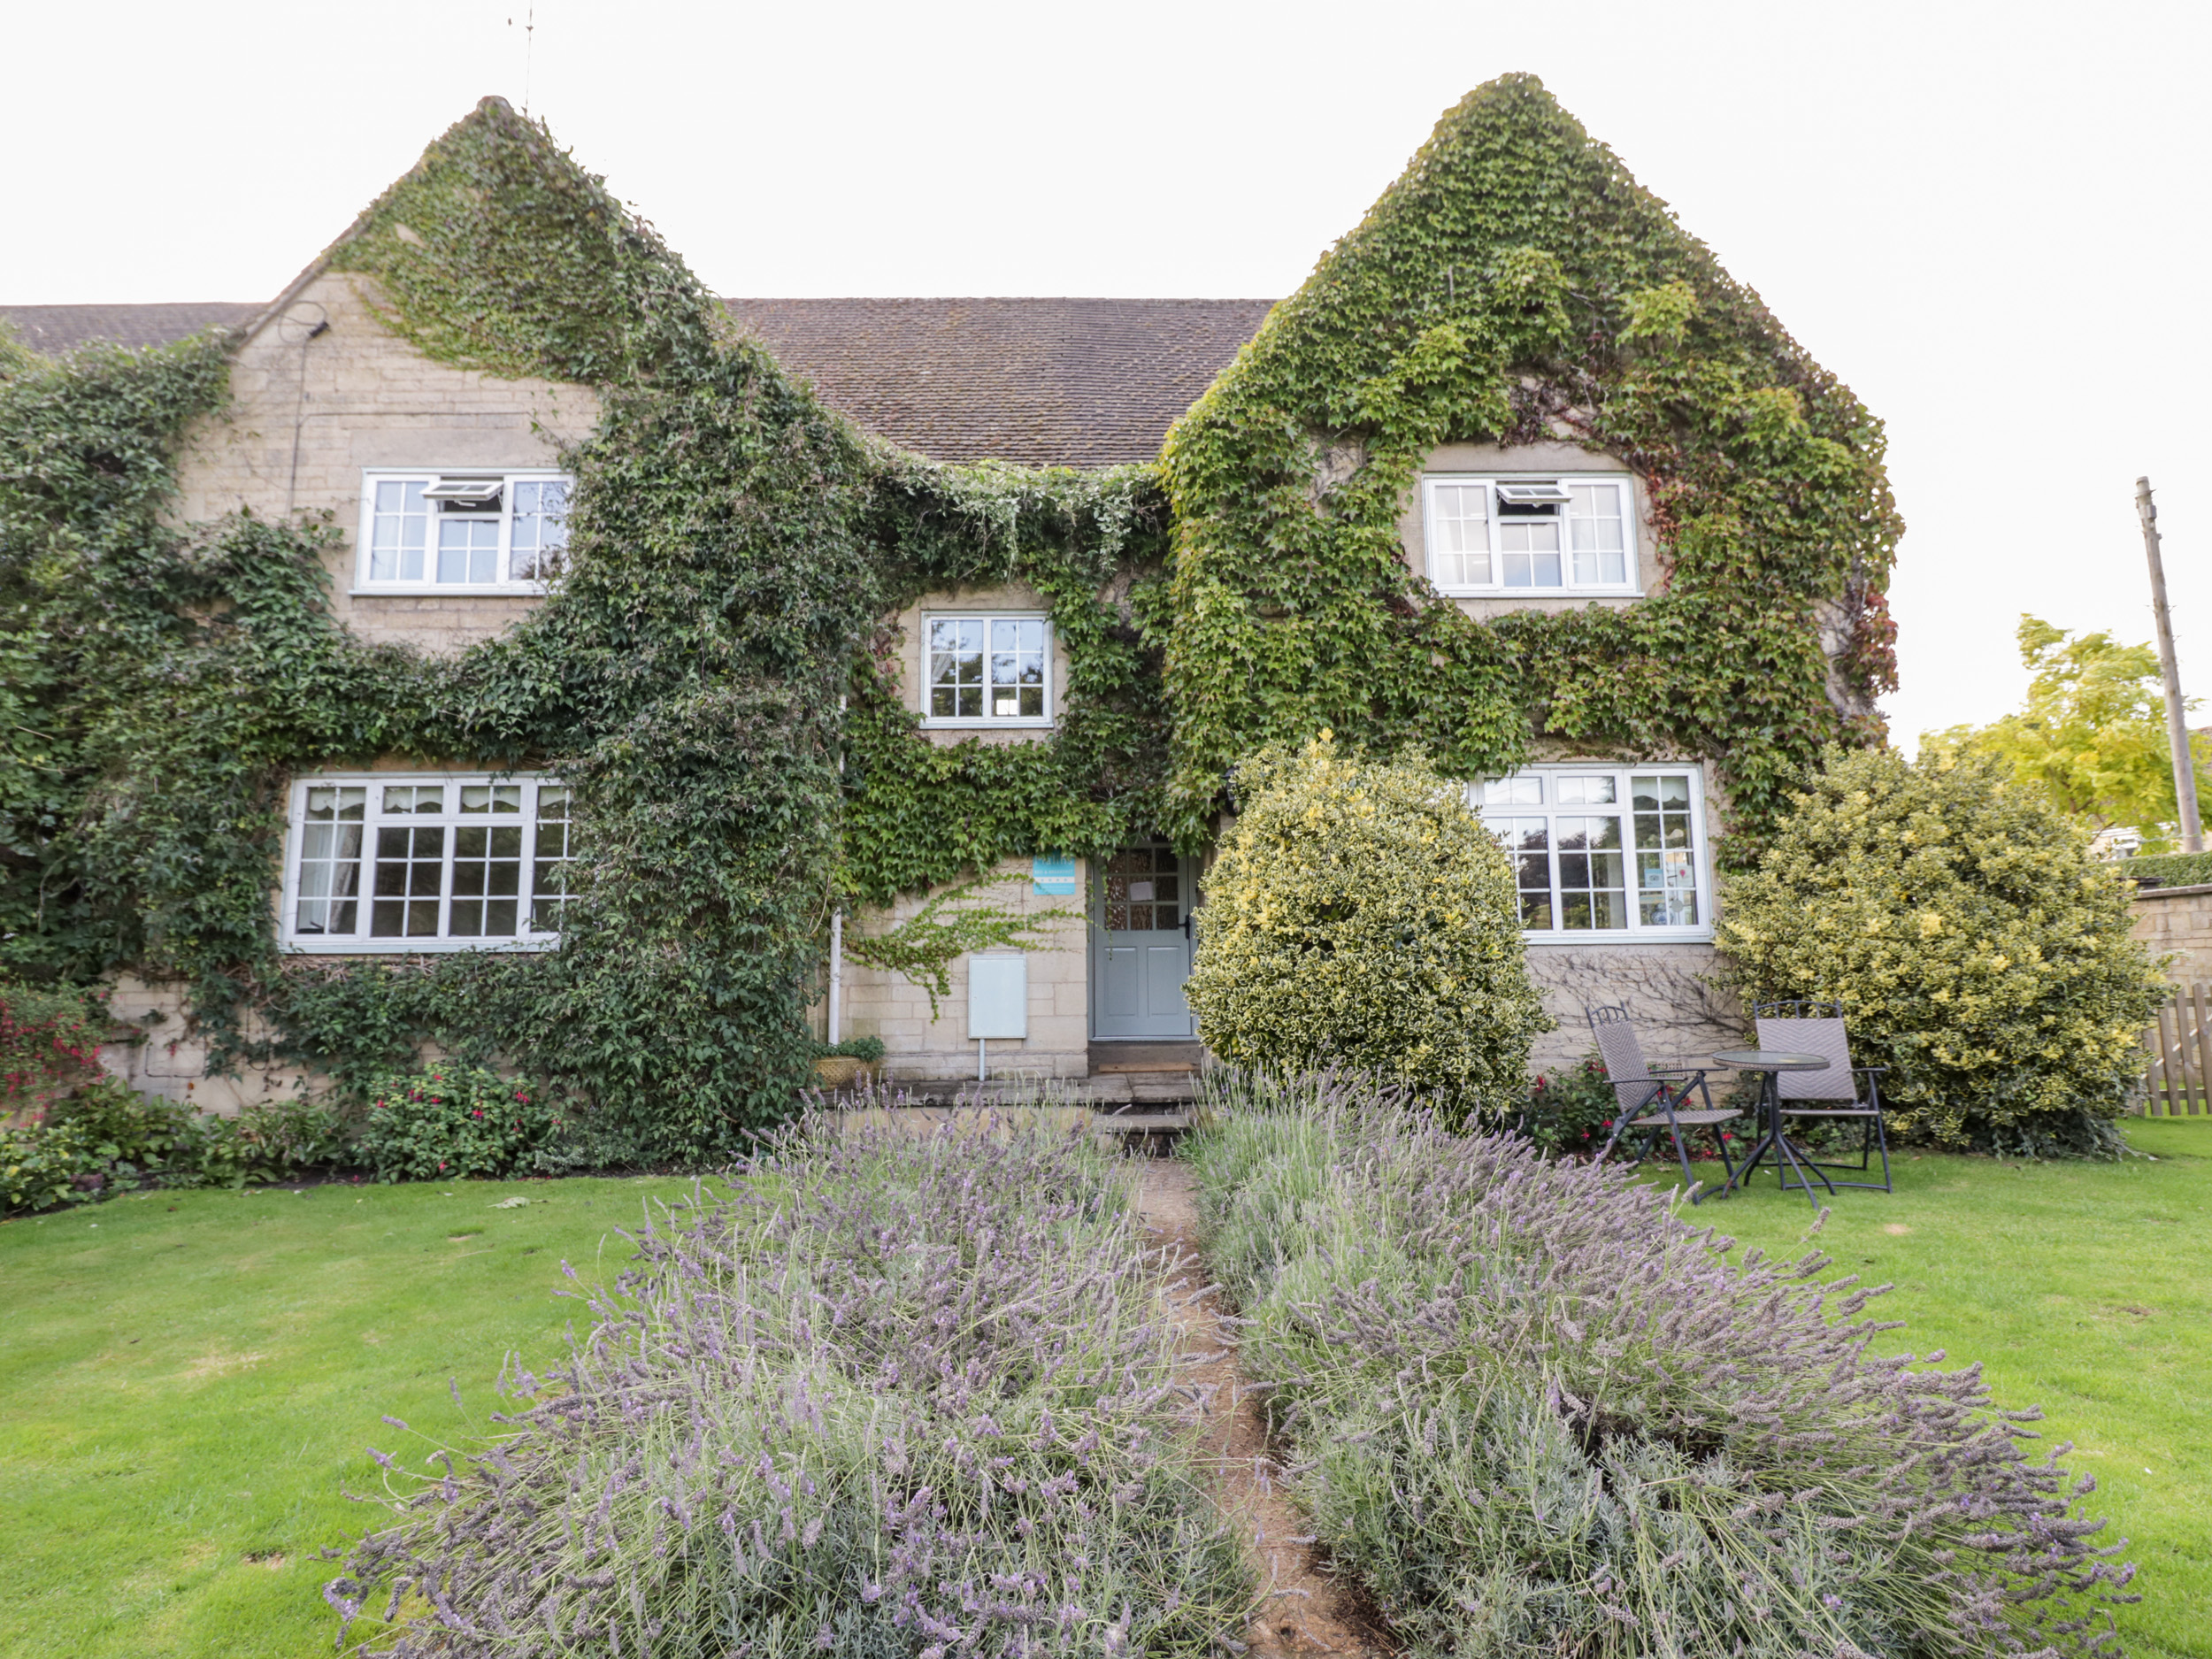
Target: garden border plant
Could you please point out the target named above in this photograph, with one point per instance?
(1532, 1410)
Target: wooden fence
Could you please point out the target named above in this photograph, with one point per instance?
(2180, 1046)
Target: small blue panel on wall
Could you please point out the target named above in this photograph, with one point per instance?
(1054, 876)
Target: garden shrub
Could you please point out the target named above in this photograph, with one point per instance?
(2169, 870)
(893, 1394)
(49, 1042)
(45, 1165)
(1976, 949)
(1534, 1413)
(448, 1122)
(1359, 915)
(1570, 1108)
(106, 1137)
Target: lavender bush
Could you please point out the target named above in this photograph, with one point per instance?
(892, 1395)
(1537, 1415)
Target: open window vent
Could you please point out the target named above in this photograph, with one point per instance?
(1533, 492)
(464, 495)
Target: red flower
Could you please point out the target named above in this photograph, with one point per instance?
(441, 1164)
(476, 1114)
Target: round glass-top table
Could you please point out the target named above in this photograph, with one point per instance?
(1772, 1062)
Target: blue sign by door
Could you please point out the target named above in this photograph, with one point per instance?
(1053, 876)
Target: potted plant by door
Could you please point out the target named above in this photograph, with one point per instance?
(848, 1065)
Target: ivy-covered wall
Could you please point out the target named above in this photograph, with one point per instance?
(1516, 285)
(722, 641)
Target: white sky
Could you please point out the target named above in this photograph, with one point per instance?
(1990, 221)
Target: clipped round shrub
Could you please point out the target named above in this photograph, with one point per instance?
(1976, 949)
(448, 1122)
(1359, 915)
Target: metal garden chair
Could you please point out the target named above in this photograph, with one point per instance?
(1652, 1100)
(1816, 1027)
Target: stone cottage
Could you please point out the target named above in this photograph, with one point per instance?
(1555, 488)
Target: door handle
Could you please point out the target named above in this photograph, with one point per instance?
(1186, 932)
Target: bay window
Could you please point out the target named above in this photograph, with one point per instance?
(440, 861)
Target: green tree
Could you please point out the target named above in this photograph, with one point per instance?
(1360, 915)
(1976, 949)
(2092, 734)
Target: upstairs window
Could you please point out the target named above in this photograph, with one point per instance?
(426, 861)
(1501, 536)
(987, 671)
(1601, 852)
(480, 531)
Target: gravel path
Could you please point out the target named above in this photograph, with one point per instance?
(1302, 1611)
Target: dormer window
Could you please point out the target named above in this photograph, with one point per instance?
(442, 531)
(1504, 536)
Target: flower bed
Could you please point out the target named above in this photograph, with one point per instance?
(1537, 1414)
(892, 1394)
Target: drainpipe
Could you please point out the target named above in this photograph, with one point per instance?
(837, 920)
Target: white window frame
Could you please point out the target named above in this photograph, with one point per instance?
(986, 720)
(1433, 536)
(1551, 808)
(508, 477)
(362, 942)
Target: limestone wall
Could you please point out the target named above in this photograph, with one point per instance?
(309, 411)
(880, 1003)
(1680, 1016)
(156, 1053)
(2177, 921)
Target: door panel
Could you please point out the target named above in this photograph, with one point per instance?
(1142, 947)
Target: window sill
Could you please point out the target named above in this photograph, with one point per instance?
(930, 725)
(1542, 592)
(421, 590)
(1619, 936)
(411, 947)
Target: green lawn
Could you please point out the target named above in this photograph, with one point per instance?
(2082, 1288)
(187, 1379)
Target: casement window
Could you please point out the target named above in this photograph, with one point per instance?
(1573, 534)
(427, 861)
(461, 531)
(987, 671)
(1597, 851)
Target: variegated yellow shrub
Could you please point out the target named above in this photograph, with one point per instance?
(1975, 948)
(1359, 915)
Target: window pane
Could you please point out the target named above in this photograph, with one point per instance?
(1588, 790)
(491, 797)
(410, 872)
(397, 523)
(329, 883)
(1592, 877)
(1666, 860)
(1460, 517)
(955, 670)
(468, 550)
(1598, 533)
(486, 879)
(1514, 792)
(538, 530)
(554, 853)
(1017, 668)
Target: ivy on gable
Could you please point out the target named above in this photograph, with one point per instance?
(1516, 285)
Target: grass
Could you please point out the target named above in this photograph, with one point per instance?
(2084, 1289)
(186, 1380)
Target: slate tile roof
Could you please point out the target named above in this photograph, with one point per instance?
(53, 329)
(1048, 383)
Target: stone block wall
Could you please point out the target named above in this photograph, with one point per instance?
(2177, 922)
(1680, 1016)
(879, 1004)
(309, 410)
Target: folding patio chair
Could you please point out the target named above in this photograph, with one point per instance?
(1813, 1027)
(1640, 1090)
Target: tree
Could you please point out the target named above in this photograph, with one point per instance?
(1360, 915)
(1976, 949)
(2092, 734)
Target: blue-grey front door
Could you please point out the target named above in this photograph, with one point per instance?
(1140, 946)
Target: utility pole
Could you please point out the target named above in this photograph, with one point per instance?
(2177, 717)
